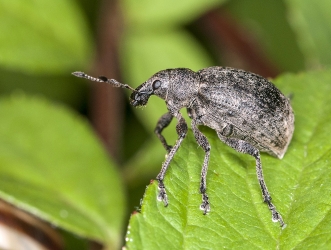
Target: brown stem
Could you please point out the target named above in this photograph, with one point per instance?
(236, 45)
(106, 102)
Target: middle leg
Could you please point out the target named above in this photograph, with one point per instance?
(162, 123)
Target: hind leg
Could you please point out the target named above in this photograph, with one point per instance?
(203, 142)
(246, 148)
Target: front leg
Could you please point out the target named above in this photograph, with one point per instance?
(162, 123)
(181, 129)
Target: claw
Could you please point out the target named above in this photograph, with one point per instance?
(162, 196)
(276, 217)
(205, 206)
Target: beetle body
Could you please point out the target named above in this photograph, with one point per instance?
(241, 104)
(247, 112)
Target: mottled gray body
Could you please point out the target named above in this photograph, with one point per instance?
(247, 112)
(245, 106)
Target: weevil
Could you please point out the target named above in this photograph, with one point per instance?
(247, 111)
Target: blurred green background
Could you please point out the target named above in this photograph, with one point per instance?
(42, 42)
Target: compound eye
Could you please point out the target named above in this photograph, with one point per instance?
(156, 84)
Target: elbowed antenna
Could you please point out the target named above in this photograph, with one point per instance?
(112, 82)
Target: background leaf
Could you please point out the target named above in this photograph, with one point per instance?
(165, 13)
(299, 185)
(42, 36)
(268, 21)
(54, 168)
(312, 23)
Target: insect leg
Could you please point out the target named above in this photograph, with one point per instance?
(203, 142)
(246, 148)
(162, 123)
(181, 129)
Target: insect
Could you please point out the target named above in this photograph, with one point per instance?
(247, 112)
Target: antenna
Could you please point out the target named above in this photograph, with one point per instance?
(112, 82)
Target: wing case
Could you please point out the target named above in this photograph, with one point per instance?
(256, 110)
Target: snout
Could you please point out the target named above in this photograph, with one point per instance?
(139, 98)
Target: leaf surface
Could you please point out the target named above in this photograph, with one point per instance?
(42, 36)
(165, 13)
(311, 22)
(299, 184)
(52, 166)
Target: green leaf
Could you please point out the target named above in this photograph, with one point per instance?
(268, 22)
(311, 21)
(52, 166)
(299, 184)
(42, 36)
(146, 13)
